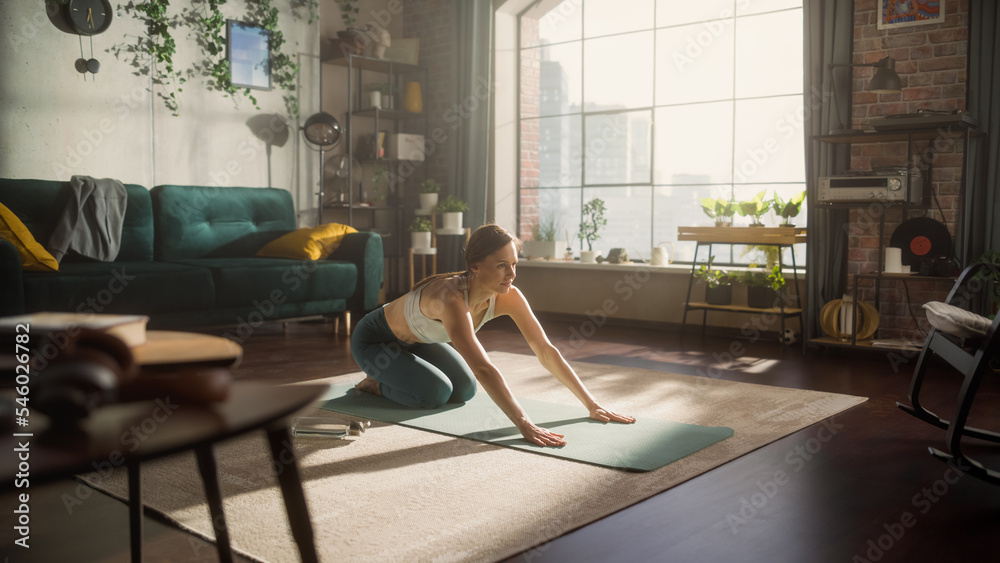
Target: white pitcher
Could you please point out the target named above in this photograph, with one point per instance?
(661, 255)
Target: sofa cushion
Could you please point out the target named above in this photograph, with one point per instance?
(212, 222)
(34, 257)
(144, 288)
(40, 203)
(307, 243)
(239, 282)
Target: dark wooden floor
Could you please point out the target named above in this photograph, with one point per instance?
(860, 487)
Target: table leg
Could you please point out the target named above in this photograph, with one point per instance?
(287, 468)
(135, 511)
(210, 478)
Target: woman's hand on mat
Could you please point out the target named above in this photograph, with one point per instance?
(541, 436)
(604, 415)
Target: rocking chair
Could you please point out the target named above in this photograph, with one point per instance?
(973, 361)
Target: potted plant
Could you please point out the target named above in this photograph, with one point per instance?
(386, 91)
(762, 290)
(991, 276)
(788, 210)
(719, 209)
(451, 209)
(543, 243)
(352, 38)
(718, 284)
(420, 233)
(375, 91)
(590, 228)
(380, 179)
(755, 208)
(429, 189)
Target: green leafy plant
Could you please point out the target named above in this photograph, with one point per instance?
(160, 46)
(720, 209)
(775, 278)
(754, 208)
(451, 204)
(713, 277)
(546, 229)
(763, 254)
(430, 186)
(380, 178)
(593, 222)
(420, 225)
(991, 276)
(788, 209)
(348, 12)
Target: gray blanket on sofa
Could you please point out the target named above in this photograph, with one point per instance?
(91, 223)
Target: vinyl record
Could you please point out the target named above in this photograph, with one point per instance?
(921, 239)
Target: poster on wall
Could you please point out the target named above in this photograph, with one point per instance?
(249, 55)
(903, 13)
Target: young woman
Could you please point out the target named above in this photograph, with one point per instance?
(401, 346)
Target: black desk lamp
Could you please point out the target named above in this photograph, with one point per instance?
(322, 131)
(885, 81)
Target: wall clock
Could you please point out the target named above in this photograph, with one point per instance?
(88, 17)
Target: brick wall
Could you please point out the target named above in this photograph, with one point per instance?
(430, 21)
(931, 61)
(530, 106)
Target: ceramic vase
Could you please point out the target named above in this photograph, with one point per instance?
(413, 100)
(428, 200)
(451, 220)
(420, 239)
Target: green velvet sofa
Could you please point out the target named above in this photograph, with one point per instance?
(187, 259)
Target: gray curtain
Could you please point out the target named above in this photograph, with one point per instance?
(982, 206)
(829, 38)
(472, 89)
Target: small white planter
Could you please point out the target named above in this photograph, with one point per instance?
(428, 201)
(451, 220)
(375, 98)
(588, 256)
(549, 250)
(420, 239)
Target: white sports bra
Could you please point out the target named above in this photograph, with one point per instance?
(429, 330)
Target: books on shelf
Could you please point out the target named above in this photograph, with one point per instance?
(131, 329)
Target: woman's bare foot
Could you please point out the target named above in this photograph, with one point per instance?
(368, 385)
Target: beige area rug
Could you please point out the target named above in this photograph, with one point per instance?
(399, 494)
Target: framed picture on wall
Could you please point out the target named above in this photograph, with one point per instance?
(248, 50)
(903, 13)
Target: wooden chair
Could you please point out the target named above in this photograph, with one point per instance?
(973, 361)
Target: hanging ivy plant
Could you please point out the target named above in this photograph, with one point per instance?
(284, 71)
(159, 45)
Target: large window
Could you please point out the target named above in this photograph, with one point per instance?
(652, 105)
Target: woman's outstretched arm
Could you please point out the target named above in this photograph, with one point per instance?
(458, 322)
(515, 305)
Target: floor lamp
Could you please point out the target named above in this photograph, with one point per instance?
(885, 81)
(322, 132)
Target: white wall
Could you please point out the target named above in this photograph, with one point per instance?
(57, 122)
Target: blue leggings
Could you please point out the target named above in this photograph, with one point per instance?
(416, 375)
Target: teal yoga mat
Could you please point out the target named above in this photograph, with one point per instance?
(644, 446)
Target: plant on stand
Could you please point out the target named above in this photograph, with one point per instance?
(755, 208)
(429, 189)
(451, 210)
(718, 283)
(720, 209)
(762, 289)
(788, 210)
(352, 38)
(420, 233)
(590, 228)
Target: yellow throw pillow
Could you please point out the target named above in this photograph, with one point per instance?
(34, 257)
(307, 243)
